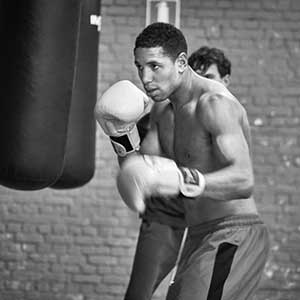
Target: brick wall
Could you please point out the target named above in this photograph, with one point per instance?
(79, 244)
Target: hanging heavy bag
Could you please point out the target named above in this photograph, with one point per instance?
(38, 54)
(79, 164)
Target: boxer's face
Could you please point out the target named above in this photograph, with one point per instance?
(157, 71)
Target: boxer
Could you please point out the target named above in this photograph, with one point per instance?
(192, 169)
(159, 233)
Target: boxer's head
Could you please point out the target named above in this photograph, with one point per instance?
(163, 35)
(160, 53)
(211, 63)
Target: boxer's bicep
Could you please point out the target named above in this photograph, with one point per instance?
(223, 122)
(150, 144)
(232, 149)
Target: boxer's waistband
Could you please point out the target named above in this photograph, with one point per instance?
(242, 220)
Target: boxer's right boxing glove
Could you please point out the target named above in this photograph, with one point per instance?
(142, 176)
(118, 110)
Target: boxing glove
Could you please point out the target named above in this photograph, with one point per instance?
(142, 176)
(118, 110)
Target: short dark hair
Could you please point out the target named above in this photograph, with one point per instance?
(205, 56)
(164, 35)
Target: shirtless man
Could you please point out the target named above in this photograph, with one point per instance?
(158, 233)
(196, 160)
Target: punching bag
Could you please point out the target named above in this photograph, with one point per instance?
(79, 164)
(38, 48)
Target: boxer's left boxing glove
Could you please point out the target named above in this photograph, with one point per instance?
(142, 176)
(118, 110)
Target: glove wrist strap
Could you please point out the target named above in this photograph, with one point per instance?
(126, 143)
(192, 182)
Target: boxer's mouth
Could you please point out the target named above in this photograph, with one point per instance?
(151, 91)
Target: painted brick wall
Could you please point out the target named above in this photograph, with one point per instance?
(79, 244)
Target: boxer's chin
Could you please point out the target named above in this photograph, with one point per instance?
(157, 97)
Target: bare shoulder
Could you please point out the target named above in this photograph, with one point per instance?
(218, 109)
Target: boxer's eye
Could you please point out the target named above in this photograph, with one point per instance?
(154, 67)
(139, 67)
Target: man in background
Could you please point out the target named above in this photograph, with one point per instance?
(211, 63)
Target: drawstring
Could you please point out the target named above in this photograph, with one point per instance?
(179, 255)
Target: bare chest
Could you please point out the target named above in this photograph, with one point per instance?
(184, 139)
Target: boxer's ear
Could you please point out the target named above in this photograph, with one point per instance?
(182, 62)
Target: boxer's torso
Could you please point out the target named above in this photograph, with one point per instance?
(184, 138)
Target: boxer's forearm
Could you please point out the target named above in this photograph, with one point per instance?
(229, 183)
(122, 159)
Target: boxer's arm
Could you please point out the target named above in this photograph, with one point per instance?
(117, 111)
(150, 175)
(150, 144)
(222, 118)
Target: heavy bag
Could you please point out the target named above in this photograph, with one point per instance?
(79, 165)
(38, 52)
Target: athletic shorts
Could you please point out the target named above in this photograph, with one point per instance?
(222, 260)
(155, 256)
